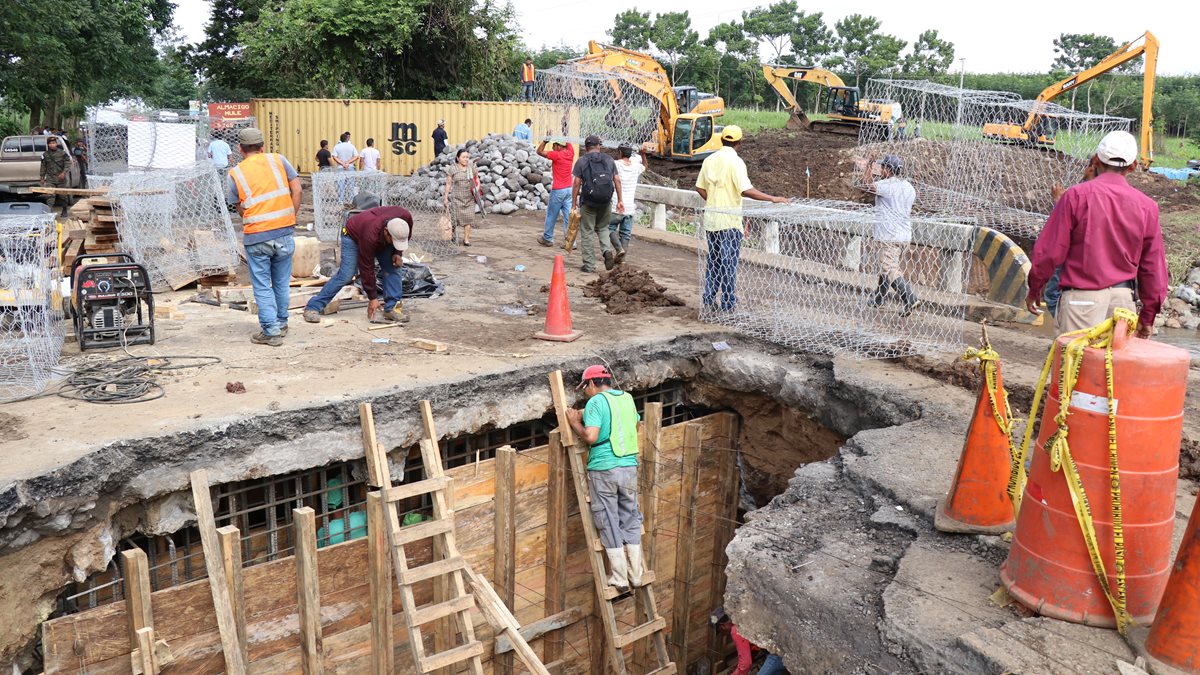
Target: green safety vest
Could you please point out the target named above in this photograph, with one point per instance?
(623, 421)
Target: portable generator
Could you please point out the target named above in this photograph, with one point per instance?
(111, 301)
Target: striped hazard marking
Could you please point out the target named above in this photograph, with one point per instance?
(1006, 264)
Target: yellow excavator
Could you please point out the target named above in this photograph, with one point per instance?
(847, 110)
(1039, 129)
(686, 124)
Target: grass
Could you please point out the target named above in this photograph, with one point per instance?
(1176, 152)
(1181, 238)
(754, 121)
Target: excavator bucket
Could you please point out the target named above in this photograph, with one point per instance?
(798, 120)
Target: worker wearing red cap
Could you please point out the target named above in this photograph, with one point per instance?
(609, 425)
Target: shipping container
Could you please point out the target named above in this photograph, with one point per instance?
(403, 130)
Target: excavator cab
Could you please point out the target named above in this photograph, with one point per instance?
(694, 137)
(843, 102)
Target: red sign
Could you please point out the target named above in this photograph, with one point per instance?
(229, 111)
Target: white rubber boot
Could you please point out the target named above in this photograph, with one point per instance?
(635, 564)
(619, 578)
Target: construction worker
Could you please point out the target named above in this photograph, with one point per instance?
(266, 191)
(591, 195)
(439, 138)
(55, 164)
(562, 160)
(528, 75)
(894, 197)
(524, 131)
(1105, 235)
(771, 665)
(608, 423)
(630, 168)
(722, 183)
(375, 234)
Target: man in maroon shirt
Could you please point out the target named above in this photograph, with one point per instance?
(378, 234)
(1106, 236)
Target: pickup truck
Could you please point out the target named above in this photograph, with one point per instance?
(21, 164)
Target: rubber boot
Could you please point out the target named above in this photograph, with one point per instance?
(881, 292)
(619, 578)
(906, 295)
(636, 564)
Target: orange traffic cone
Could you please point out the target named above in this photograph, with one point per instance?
(1175, 635)
(978, 501)
(558, 312)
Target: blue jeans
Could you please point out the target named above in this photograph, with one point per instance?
(1052, 293)
(720, 272)
(527, 91)
(620, 229)
(392, 288)
(270, 264)
(772, 666)
(560, 202)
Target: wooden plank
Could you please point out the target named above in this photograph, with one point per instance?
(493, 606)
(542, 627)
(138, 612)
(444, 629)
(226, 624)
(685, 542)
(308, 590)
(421, 487)
(230, 539)
(650, 442)
(412, 533)
(147, 659)
(505, 528)
(725, 513)
(379, 564)
(471, 650)
(641, 632)
(377, 467)
(438, 610)
(558, 394)
(432, 570)
(429, 345)
(556, 545)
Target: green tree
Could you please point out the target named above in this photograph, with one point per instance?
(632, 30)
(218, 59)
(674, 37)
(811, 39)
(734, 62)
(863, 50)
(547, 57)
(930, 55)
(773, 24)
(1075, 51)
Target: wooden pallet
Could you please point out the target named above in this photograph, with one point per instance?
(447, 563)
(650, 625)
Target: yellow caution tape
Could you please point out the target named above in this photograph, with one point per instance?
(989, 363)
(1059, 452)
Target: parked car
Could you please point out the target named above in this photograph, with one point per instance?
(21, 163)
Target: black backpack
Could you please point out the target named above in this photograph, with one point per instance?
(597, 179)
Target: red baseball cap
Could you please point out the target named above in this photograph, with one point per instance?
(591, 373)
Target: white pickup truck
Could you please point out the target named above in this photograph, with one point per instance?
(21, 163)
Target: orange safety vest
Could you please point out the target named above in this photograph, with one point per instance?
(264, 193)
(527, 72)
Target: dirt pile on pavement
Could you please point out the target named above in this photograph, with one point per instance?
(626, 290)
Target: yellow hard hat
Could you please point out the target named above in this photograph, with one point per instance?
(731, 133)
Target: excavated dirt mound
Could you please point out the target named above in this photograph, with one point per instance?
(1171, 195)
(626, 290)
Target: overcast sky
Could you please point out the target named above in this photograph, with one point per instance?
(989, 43)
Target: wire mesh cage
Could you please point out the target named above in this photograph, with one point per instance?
(808, 275)
(333, 194)
(31, 327)
(430, 237)
(176, 223)
(574, 101)
(986, 156)
(122, 140)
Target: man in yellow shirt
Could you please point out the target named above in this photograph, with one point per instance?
(723, 182)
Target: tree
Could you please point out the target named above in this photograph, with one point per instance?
(218, 58)
(674, 37)
(862, 49)
(632, 30)
(811, 39)
(735, 53)
(773, 24)
(1075, 51)
(930, 55)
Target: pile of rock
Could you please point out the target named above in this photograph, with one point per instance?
(1182, 309)
(511, 174)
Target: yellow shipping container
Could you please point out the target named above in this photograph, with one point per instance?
(403, 130)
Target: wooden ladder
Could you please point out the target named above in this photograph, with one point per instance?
(456, 603)
(650, 624)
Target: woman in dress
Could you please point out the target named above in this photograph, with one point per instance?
(460, 195)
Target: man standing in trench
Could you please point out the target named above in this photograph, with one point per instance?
(608, 424)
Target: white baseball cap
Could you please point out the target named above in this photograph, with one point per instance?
(1118, 148)
(398, 228)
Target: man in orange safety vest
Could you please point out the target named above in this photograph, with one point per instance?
(266, 190)
(528, 75)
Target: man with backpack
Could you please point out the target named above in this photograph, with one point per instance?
(609, 425)
(595, 182)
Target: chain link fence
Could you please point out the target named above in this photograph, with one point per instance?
(31, 326)
(984, 156)
(576, 100)
(140, 139)
(176, 223)
(807, 275)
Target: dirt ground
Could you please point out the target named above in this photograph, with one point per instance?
(626, 290)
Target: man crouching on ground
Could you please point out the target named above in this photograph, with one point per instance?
(380, 233)
(609, 425)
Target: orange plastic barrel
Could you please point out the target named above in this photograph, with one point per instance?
(1048, 567)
